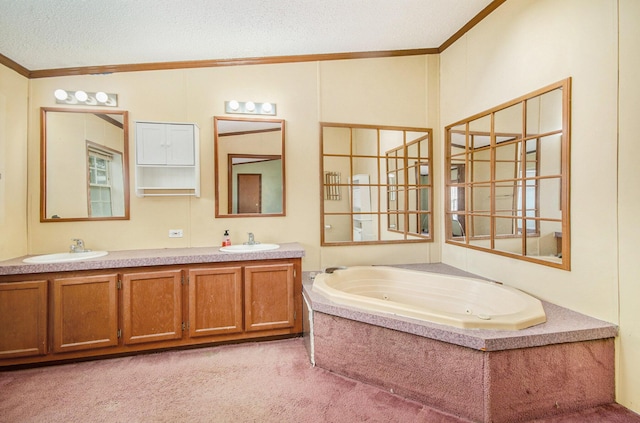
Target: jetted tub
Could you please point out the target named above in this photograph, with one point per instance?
(450, 300)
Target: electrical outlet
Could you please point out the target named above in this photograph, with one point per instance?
(175, 233)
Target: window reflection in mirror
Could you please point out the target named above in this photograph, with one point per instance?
(249, 167)
(376, 184)
(84, 165)
(508, 177)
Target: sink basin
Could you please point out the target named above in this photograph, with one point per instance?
(243, 248)
(64, 257)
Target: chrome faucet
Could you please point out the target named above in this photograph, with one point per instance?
(333, 269)
(252, 240)
(78, 247)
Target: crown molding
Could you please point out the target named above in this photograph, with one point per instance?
(140, 67)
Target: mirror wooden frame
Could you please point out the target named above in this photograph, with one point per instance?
(44, 163)
(480, 141)
(224, 211)
(406, 222)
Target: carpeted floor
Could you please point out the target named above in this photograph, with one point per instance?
(254, 382)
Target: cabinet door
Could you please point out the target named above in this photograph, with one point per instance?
(269, 297)
(215, 301)
(180, 145)
(85, 312)
(151, 306)
(23, 319)
(151, 144)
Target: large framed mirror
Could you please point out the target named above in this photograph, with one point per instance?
(249, 167)
(84, 165)
(377, 184)
(507, 184)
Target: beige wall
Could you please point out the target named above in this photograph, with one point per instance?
(628, 206)
(522, 46)
(368, 92)
(14, 97)
(389, 91)
(528, 44)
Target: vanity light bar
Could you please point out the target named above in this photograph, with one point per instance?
(250, 108)
(86, 98)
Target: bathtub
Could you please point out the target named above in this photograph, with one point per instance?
(433, 297)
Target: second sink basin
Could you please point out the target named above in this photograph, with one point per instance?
(64, 257)
(244, 248)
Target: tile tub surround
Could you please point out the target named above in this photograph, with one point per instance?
(562, 365)
(150, 257)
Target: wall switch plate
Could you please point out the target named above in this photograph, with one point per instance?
(175, 233)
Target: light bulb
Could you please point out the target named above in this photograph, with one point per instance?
(102, 97)
(233, 105)
(60, 94)
(81, 96)
(250, 106)
(267, 107)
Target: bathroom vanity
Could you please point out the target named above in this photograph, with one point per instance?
(141, 300)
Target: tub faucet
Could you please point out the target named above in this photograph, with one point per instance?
(252, 240)
(78, 247)
(333, 269)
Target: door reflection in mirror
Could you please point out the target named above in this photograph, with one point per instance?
(249, 167)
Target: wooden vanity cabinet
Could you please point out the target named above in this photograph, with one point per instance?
(84, 312)
(269, 297)
(249, 299)
(23, 319)
(151, 306)
(215, 301)
(72, 315)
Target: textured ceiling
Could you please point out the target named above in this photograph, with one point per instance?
(53, 34)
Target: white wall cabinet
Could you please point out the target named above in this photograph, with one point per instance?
(167, 159)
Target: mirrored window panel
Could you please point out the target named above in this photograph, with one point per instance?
(377, 184)
(83, 165)
(507, 178)
(249, 167)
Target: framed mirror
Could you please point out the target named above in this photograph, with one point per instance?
(84, 165)
(249, 167)
(507, 183)
(377, 184)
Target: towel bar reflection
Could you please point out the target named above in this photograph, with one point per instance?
(331, 185)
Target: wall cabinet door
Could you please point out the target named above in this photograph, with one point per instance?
(85, 313)
(165, 144)
(23, 319)
(215, 301)
(180, 145)
(269, 297)
(151, 306)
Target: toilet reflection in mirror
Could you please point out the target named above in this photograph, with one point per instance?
(249, 167)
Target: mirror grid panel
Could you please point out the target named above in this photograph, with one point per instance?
(506, 187)
(376, 184)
